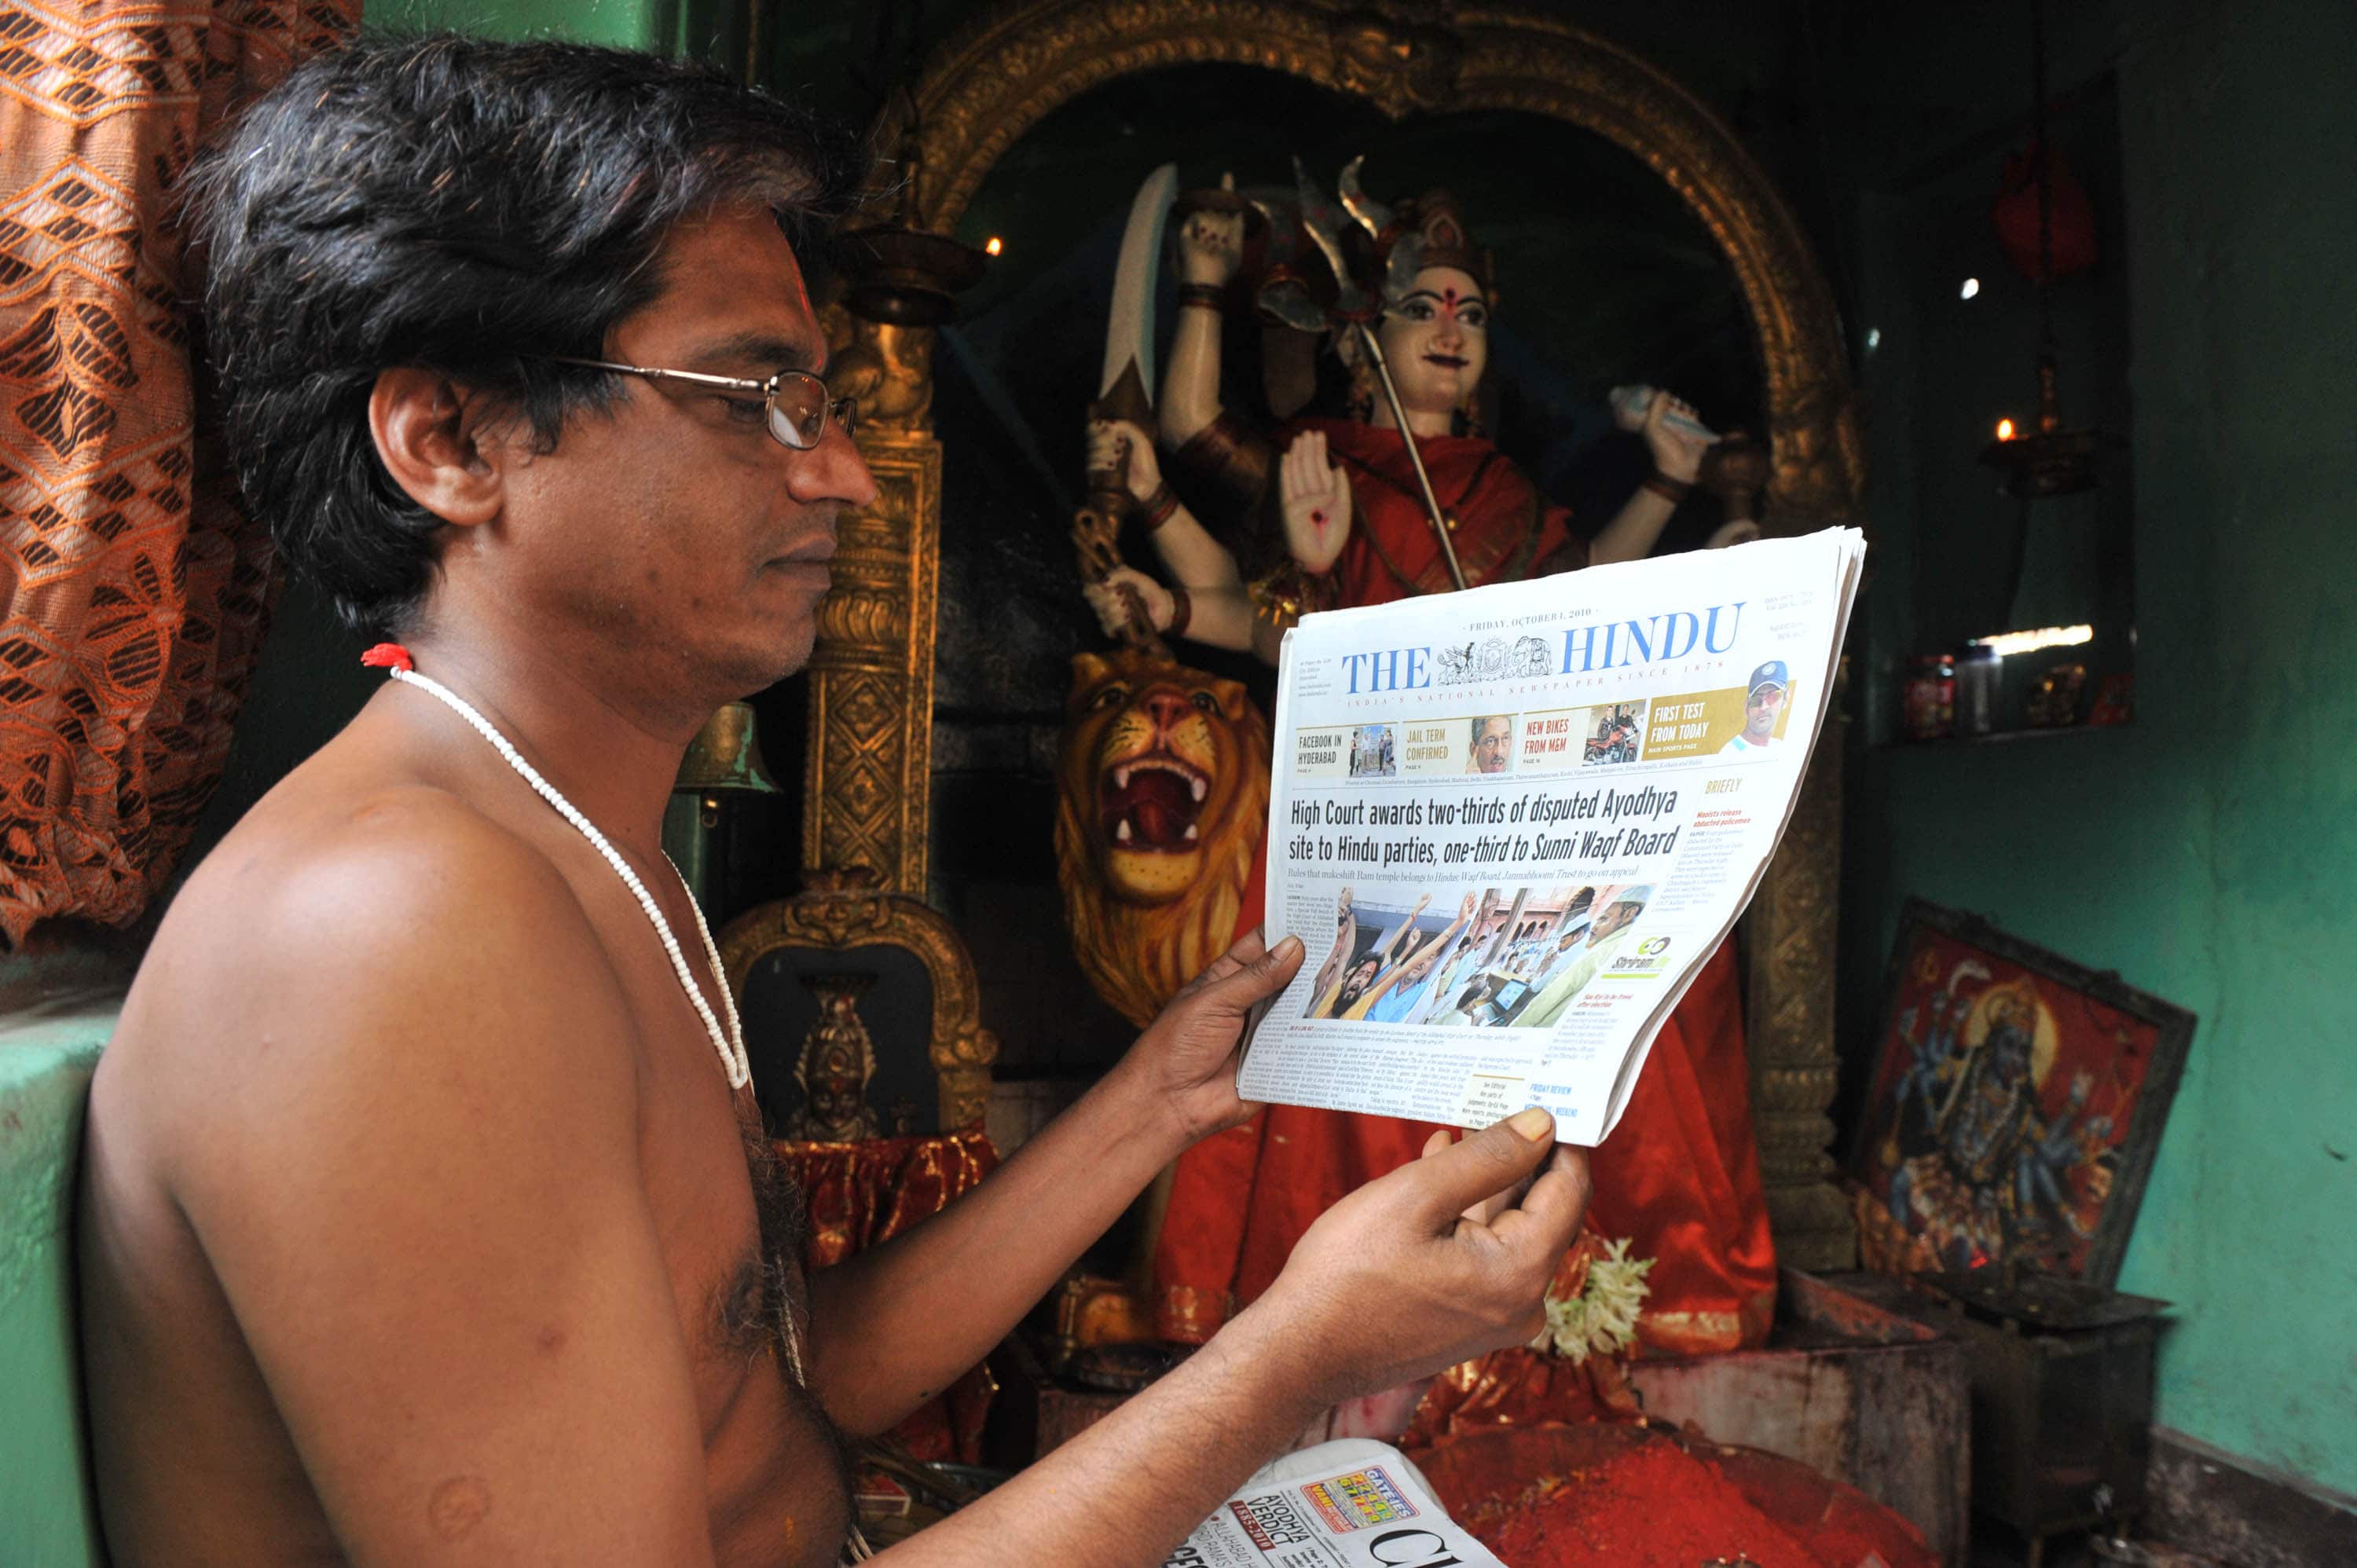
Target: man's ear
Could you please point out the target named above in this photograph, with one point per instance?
(433, 437)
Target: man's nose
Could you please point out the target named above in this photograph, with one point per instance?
(832, 471)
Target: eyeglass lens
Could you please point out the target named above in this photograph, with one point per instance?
(798, 409)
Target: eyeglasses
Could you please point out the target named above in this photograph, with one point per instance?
(796, 401)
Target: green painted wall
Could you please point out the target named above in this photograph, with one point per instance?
(629, 23)
(2209, 852)
(48, 1051)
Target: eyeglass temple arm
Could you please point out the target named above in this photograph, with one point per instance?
(738, 384)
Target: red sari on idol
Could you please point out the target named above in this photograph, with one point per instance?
(1680, 1175)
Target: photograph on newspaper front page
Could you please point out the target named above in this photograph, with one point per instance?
(1508, 824)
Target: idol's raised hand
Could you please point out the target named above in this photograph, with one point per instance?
(1116, 446)
(1212, 245)
(1111, 599)
(1677, 451)
(1317, 502)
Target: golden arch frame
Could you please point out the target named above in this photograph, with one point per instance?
(992, 81)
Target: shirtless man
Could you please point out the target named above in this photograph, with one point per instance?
(417, 1220)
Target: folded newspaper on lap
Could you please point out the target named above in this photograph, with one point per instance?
(1510, 824)
(1351, 1504)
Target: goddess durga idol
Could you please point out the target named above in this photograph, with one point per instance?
(1680, 1176)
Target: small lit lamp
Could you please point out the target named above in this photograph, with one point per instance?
(2049, 461)
(722, 767)
(904, 276)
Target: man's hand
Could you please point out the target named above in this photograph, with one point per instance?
(1317, 502)
(1187, 1057)
(1432, 1264)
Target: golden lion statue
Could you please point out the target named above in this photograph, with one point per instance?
(1161, 798)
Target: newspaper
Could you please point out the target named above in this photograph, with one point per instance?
(1354, 1503)
(1510, 824)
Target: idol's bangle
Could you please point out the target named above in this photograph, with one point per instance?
(1159, 508)
(1182, 610)
(1208, 296)
(1669, 490)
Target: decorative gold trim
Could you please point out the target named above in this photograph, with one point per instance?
(846, 909)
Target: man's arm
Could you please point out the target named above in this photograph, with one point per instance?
(413, 1167)
(881, 1342)
(1413, 1273)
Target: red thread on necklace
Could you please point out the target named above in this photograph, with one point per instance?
(388, 656)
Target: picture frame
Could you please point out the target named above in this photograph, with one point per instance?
(2016, 1105)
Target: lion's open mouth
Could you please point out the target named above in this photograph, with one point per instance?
(1151, 803)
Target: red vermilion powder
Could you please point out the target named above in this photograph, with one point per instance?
(1651, 1507)
(1553, 1496)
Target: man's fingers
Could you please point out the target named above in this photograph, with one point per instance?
(1264, 976)
(1247, 950)
(1483, 1164)
(1550, 1213)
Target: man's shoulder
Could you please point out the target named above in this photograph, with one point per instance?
(406, 861)
(316, 926)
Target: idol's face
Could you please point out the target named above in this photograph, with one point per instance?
(1436, 340)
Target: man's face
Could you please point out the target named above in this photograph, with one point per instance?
(1759, 711)
(1436, 340)
(1614, 917)
(1361, 977)
(675, 524)
(1490, 737)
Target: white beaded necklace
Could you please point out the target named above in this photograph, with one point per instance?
(731, 1047)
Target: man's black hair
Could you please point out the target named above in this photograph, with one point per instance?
(470, 206)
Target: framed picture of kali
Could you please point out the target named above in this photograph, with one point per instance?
(2017, 1101)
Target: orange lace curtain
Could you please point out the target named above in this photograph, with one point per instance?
(135, 589)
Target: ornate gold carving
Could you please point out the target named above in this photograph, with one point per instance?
(886, 370)
(1788, 1022)
(847, 908)
(868, 777)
